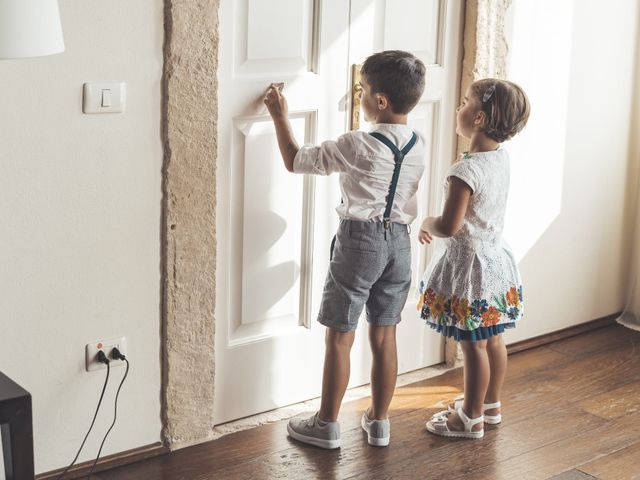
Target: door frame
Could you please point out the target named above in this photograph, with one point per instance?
(188, 237)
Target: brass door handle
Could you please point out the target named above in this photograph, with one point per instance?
(356, 95)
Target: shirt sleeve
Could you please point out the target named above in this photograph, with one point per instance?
(326, 158)
(465, 171)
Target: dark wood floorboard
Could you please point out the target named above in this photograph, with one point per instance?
(571, 411)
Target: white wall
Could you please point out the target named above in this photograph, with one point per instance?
(566, 222)
(80, 213)
(633, 202)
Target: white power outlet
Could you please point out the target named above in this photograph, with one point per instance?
(92, 349)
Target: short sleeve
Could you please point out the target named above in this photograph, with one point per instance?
(326, 158)
(466, 171)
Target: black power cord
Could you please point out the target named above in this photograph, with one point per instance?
(103, 359)
(116, 355)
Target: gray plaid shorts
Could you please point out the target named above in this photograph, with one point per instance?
(369, 266)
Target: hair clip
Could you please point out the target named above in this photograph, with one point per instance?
(488, 93)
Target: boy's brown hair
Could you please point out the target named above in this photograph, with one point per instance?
(397, 74)
(506, 106)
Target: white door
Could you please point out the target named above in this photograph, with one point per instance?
(274, 228)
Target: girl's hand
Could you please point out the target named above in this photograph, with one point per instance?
(276, 102)
(424, 237)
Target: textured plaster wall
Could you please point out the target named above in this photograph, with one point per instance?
(484, 43)
(189, 245)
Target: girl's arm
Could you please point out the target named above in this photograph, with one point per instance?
(455, 208)
(277, 106)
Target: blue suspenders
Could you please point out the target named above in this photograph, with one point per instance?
(398, 156)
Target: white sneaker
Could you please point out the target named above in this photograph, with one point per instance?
(378, 431)
(309, 430)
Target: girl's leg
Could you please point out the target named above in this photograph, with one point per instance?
(384, 369)
(476, 381)
(336, 372)
(497, 352)
(476, 376)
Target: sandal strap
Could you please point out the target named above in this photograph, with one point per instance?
(469, 423)
(442, 413)
(487, 406)
(440, 423)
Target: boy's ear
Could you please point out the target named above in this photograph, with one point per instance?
(383, 101)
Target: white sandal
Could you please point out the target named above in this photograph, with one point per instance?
(488, 419)
(438, 426)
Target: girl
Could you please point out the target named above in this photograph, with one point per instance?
(471, 291)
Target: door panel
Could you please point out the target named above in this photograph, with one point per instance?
(275, 37)
(272, 225)
(414, 26)
(269, 349)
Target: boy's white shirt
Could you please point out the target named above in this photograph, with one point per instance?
(365, 165)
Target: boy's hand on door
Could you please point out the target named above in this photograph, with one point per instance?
(276, 102)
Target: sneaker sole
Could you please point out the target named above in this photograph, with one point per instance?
(375, 441)
(318, 442)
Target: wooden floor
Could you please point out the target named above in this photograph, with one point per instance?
(571, 411)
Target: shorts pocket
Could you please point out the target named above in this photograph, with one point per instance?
(360, 240)
(403, 241)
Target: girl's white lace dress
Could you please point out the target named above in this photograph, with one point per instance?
(472, 288)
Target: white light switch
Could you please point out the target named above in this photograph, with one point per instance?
(104, 97)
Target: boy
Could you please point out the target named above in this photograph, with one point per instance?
(371, 254)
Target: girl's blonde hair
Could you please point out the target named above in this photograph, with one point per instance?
(505, 104)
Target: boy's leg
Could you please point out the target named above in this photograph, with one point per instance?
(476, 382)
(497, 353)
(384, 369)
(337, 367)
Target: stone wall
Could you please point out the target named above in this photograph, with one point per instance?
(188, 232)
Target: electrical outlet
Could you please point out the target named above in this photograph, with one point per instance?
(91, 353)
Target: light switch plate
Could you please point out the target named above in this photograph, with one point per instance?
(104, 97)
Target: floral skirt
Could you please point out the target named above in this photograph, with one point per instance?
(471, 320)
(471, 293)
